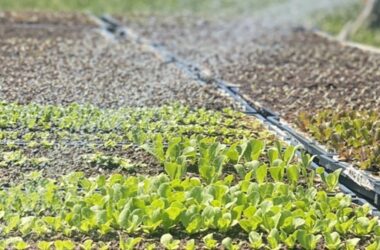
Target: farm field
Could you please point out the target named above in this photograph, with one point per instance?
(165, 178)
(291, 72)
(107, 144)
(86, 64)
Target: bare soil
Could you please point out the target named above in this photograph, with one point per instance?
(59, 63)
(288, 70)
(63, 160)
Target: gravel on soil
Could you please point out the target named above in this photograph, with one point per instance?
(68, 19)
(305, 72)
(67, 64)
(285, 69)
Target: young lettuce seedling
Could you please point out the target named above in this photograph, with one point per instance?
(210, 242)
(256, 240)
(330, 180)
(129, 244)
(168, 242)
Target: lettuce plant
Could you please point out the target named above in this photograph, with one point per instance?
(355, 135)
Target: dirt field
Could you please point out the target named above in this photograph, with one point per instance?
(48, 60)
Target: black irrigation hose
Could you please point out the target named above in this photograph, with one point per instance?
(349, 185)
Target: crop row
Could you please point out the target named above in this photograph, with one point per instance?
(57, 139)
(212, 180)
(272, 198)
(45, 121)
(354, 135)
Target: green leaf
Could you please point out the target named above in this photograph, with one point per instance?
(306, 160)
(206, 170)
(101, 216)
(12, 222)
(174, 149)
(255, 240)
(254, 149)
(240, 170)
(277, 173)
(227, 243)
(20, 245)
(151, 246)
(293, 173)
(273, 155)
(261, 173)
(124, 215)
(189, 152)
(251, 224)
(332, 180)
(26, 224)
(64, 245)
(129, 244)
(273, 239)
(44, 245)
(307, 240)
(351, 243)
(233, 154)
(174, 170)
(363, 225)
(87, 245)
(266, 191)
(374, 246)
(173, 212)
(159, 148)
(252, 165)
(289, 154)
(138, 137)
(332, 240)
(224, 222)
(190, 245)
(320, 170)
(194, 225)
(291, 240)
(298, 222)
(209, 241)
(168, 242)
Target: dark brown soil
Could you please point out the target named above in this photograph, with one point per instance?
(42, 26)
(305, 72)
(298, 71)
(57, 63)
(68, 19)
(63, 160)
(178, 234)
(286, 70)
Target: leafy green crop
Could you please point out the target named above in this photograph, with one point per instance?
(44, 136)
(99, 159)
(280, 212)
(355, 135)
(42, 122)
(219, 175)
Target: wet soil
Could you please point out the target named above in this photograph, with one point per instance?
(305, 72)
(288, 70)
